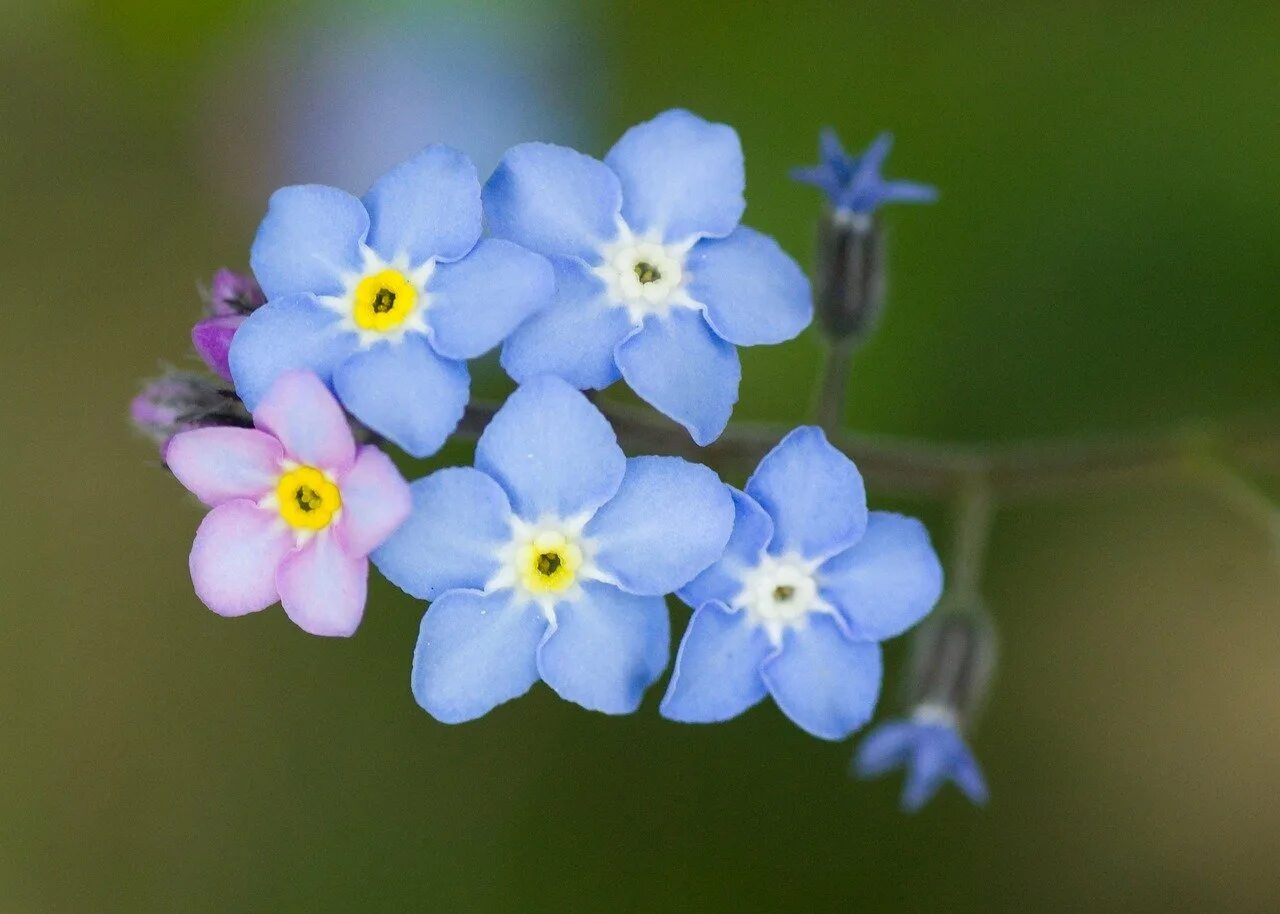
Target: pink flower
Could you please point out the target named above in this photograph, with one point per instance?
(297, 508)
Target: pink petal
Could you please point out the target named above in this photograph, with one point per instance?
(375, 501)
(322, 588)
(234, 558)
(300, 411)
(220, 464)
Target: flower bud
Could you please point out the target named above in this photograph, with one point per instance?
(180, 401)
(232, 297)
(952, 661)
(848, 275)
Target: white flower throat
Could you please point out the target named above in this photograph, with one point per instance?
(644, 275)
(779, 593)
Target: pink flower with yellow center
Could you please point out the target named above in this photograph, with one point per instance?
(297, 508)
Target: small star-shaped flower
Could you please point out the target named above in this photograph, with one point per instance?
(854, 184)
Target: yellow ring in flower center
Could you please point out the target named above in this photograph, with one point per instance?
(308, 499)
(384, 300)
(549, 564)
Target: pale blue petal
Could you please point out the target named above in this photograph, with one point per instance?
(553, 200)
(575, 338)
(551, 451)
(753, 291)
(478, 301)
(827, 684)
(752, 530)
(284, 335)
(717, 669)
(405, 392)
(814, 494)
(669, 520)
(310, 236)
(460, 519)
(887, 581)
(474, 652)
(681, 176)
(885, 748)
(607, 648)
(426, 207)
(683, 370)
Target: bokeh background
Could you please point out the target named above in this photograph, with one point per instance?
(1104, 257)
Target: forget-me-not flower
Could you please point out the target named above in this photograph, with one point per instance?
(809, 585)
(854, 184)
(657, 281)
(931, 749)
(550, 558)
(297, 508)
(385, 297)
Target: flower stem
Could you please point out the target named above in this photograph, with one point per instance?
(910, 467)
(833, 384)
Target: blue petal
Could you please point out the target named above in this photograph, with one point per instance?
(827, 684)
(405, 392)
(310, 236)
(426, 207)
(669, 521)
(929, 768)
(551, 451)
(717, 669)
(681, 176)
(478, 301)
(474, 652)
(752, 530)
(683, 370)
(460, 519)
(753, 291)
(814, 494)
(885, 748)
(285, 335)
(606, 649)
(553, 200)
(967, 775)
(887, 581)
(573, 339)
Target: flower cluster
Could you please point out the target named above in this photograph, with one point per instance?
(550, 559)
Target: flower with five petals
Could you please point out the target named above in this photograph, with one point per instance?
(297, 508)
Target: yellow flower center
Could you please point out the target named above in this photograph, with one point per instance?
(308, 498)
(549, 564)
(384, 300)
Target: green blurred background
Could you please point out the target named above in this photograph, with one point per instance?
(1104, 257)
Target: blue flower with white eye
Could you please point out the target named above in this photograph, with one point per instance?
(550, 558)
(657, 281)
(929, 746)
(854, 184)
(808, 586)
(385, 297)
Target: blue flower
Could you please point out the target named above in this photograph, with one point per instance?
(808, 586)
(854, 184)
(657, 282)
(929, 746)
(550, 558)
(386, 297)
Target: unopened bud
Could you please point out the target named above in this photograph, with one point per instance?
(181, 401)
(848, 274)
(233, 293)
(232, 297)
(953, 659)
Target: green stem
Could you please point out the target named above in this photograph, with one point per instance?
(975, 508)
(833, 385)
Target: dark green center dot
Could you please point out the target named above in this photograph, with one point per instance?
(384, 301)
(308, 499)
(783, 592)
(647, 272)
(548, 563)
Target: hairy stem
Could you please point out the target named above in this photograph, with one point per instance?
(911, 467)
